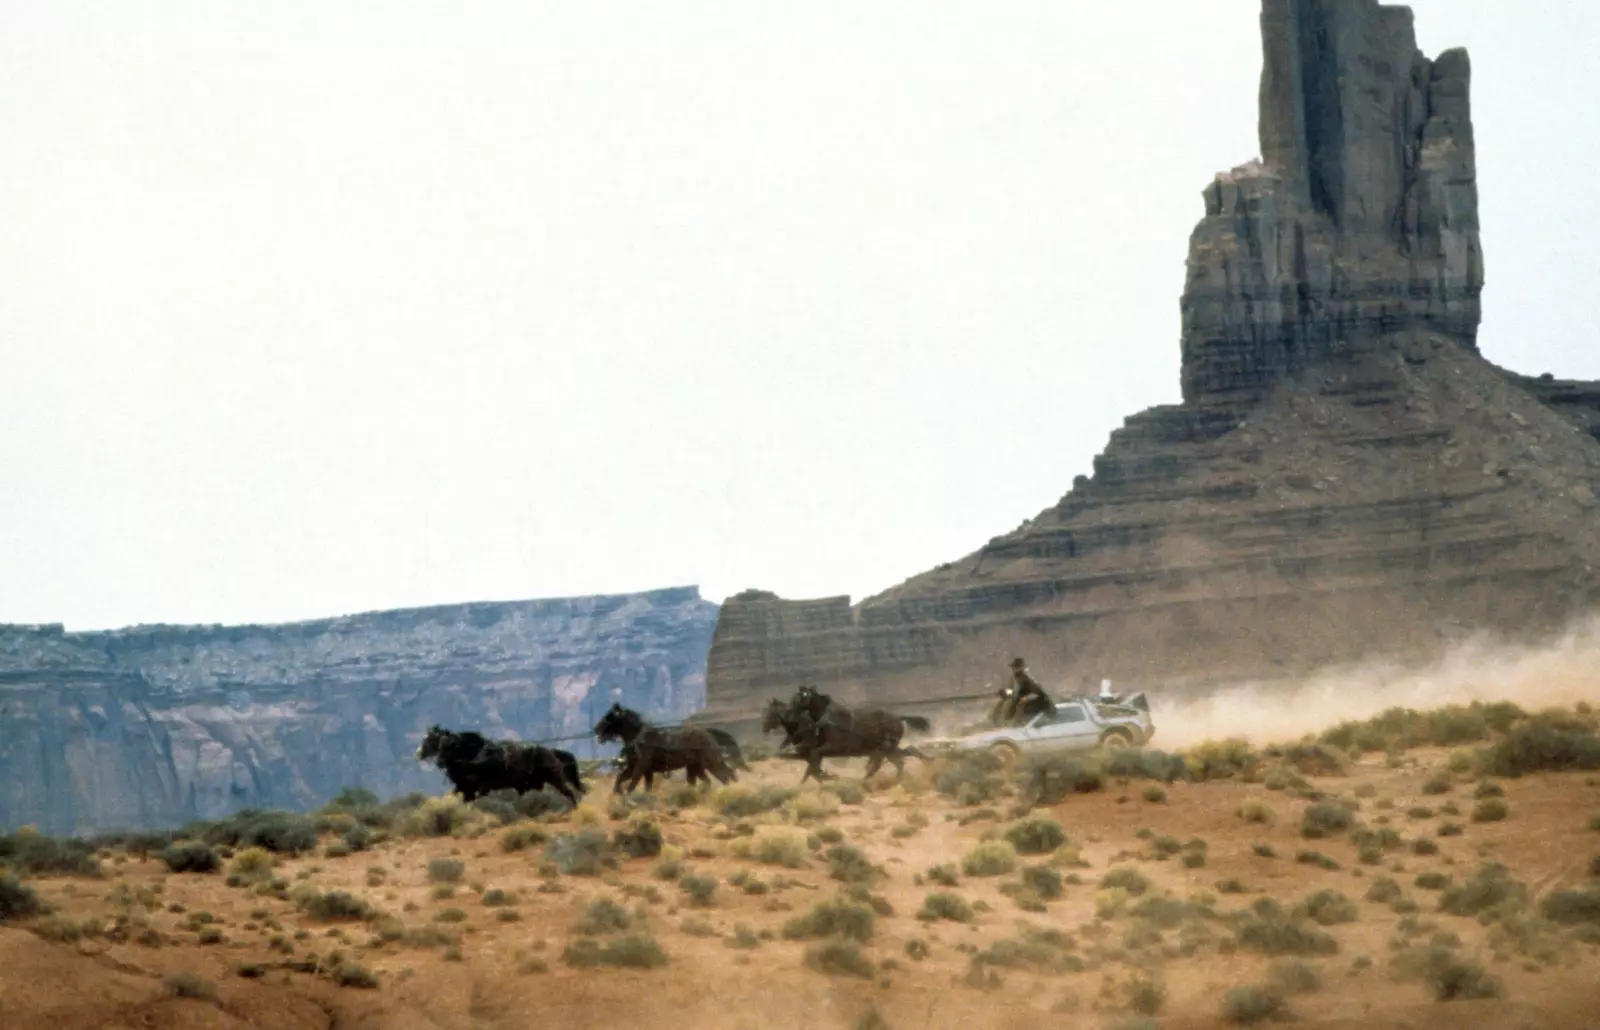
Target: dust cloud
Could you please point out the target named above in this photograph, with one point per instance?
(1480, 668)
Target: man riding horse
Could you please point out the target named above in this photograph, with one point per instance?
(1021, 699)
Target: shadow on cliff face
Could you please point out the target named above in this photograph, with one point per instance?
(1480, 668)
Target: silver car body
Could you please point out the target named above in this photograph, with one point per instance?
(1078, 724)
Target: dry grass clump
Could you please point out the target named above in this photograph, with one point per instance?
(775, 845)
(971, 777)
(1267, 930)
(740, 801)
(334, 906)
(1223, 759)
(701, 890)
(944, 875)
(1293, 977)
(813, 805)
(584, 853)
(850, 864)
(521, 838)
(1257, 812)
(278, 832)
(1328, 908)
(1549, 742)
(1572, 907)
(1491, 889)
(1490, 810)
(641, 838)
(1035, 836)
(945, 905)
(190, 985)
(990, 858)
(602, 916)
(836, 918)
(349, 974)
(252, 865)
(1324, 819)
(839, 957)
(1246, 1006)
(1126, 878)
(634, 951)
(446, 870)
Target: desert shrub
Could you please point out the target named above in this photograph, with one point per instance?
(1317, 859)
(1126, 878)
(779, 845)
(498, 806)
(1329, 908)
(522, 837)
(191, 857)
(1324, 819)
(990, 858)
(1424, 847)
(945, 905)
(1262, 850)
(349, 974)
(602, 916)
(497, 898)
(850, 865)
(1490, 810)
(1268, 931)
(1432, 881)
(634, 951)
(1488, 789)
(17, 899)
(30, 853)
(1572, 907)
(1439, 783)
(252, 865)
(1222, 759)
(1256, 812)
(1450, 977)
(1383, 891)
(812, 805)
(1292, 977)
(1491, 887)
(1036, 836)
(1050, 779)
(190, 985)
(638, 840)
(700, 889)
(281, 833)
(537, 804)
(1249, 1005)
(835, 918)
(334, 906)
(971, 777)
(1043, 881)
(738, 801)
(1542, 745)
(839, 958)
(446, 870)
(583, 853)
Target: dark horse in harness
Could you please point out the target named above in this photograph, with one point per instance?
(476, 765)
(817, 727)
(649, 751)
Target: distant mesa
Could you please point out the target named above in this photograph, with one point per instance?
(1346, 476)
(158, 725)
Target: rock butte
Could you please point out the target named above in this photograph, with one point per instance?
(1346, 476)
(158, 725)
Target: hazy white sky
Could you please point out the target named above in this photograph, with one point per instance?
(325, 306)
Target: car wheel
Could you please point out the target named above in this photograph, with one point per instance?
(1006, 753)
(1115, 741)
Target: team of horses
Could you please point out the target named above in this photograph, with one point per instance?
(814, 727)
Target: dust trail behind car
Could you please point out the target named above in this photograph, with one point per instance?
(1478, 669)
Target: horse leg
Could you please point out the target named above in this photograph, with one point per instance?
(899, 766)
(874, 763)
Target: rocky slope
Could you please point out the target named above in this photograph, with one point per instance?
(153, 726)
(1346, 474)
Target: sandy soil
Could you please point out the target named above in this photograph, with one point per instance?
(510, 974)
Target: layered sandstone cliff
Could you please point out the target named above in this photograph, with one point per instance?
(1346, 475)
(153, 726)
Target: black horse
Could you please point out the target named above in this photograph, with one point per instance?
(476, 765)
(649, 751)
(816, 727)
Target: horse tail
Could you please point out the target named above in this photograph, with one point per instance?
(916, 722)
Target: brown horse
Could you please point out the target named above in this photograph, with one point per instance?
(817, 727)
(649, 751)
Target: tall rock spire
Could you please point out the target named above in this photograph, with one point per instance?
(1359, 221)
